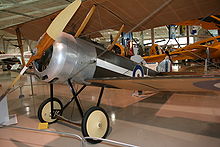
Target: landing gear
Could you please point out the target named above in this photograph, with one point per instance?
(44, 112)
(95, 121)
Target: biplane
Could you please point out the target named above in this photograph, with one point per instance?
(62, 57)
(9, 60)
(208, 48)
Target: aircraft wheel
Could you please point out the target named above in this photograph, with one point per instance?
(95, 123)
(44, 111)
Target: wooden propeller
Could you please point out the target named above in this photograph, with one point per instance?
(52, 32)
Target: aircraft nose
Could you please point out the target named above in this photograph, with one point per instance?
(42, 63)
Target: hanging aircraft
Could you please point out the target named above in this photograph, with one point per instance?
(64, 58)
(208, 48)
(9, 60)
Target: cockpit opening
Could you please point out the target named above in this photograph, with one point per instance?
(42, 63)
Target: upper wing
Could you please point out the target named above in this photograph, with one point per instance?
(208, 23)
(163, 83)
(111, 14)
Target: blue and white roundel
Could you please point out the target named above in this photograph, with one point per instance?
(138, 71)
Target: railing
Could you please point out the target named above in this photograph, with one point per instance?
(81, 139)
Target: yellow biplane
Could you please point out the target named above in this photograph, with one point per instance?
(208, 48)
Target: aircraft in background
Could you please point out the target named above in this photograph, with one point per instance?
(64, 58)
(196, 50)
(12, 61)
(208, 48)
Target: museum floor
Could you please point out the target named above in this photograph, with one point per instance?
(158, 119)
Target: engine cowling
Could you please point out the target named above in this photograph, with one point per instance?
(67, 58)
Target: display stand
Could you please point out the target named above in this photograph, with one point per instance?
(5, 118)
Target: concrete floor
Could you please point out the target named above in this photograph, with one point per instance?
(158, 119)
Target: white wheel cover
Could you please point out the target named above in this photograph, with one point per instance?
(97, 124)
(46, 111)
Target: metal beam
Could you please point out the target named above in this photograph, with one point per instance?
(29, 13)
(187, 34)
(18, 4)
(152, 36)
(6, 1)
(17, 13)
(4, 45)
(25, 4)
(142, 38)
(12, 1)
(18, 33)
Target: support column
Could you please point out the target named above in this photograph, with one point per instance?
(18, 33)
(4, 46)
(152, 36)
(142, 39)
(187, 35)
(2, 43)
(207, 60)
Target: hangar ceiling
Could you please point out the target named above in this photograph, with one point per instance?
(17, 11)
(14, 12)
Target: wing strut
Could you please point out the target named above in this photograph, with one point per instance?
(18, 33)
(215, 17)
(85, 21)
(116, 37)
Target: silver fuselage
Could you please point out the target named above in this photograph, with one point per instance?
(80, 60)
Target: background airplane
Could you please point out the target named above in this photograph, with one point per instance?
(208, 48)
(8, 60)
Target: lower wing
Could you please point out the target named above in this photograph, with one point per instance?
(163, 83)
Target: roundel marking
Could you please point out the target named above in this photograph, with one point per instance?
(138, 71)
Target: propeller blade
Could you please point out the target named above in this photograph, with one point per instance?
(60, 22)
(85, 21)
(55, 28)
(53, 31)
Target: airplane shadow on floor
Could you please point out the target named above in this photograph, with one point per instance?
(19, 143)
(143, 114)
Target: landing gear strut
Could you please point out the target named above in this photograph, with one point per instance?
(95, 121)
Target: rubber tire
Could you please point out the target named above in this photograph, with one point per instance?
(42, 106)
(84, 123)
